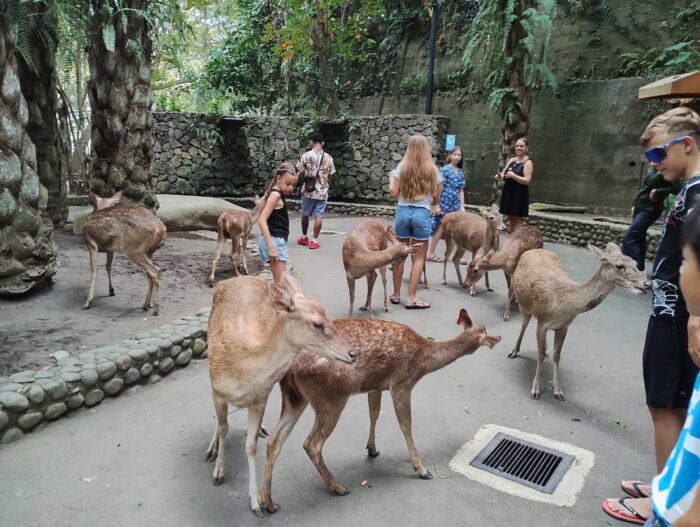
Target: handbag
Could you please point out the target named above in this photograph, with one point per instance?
(310, 181)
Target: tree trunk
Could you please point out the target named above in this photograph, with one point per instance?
(39, 89)
(121, 99)
(321, 37)
(27, 250)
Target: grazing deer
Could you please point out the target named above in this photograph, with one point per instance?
(255, 332)
(235, 225)
(389, 356)
(470, 231)
(507, 258)
(544, 290)
(135, 231)
(365, 249)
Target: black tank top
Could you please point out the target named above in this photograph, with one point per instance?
(278, 221)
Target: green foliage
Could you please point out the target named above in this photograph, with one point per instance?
(678, 58)
(415, 84)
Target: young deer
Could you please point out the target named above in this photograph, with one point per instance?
(133, 230)
(235, 225)
(389, 356)
(544, 290)
(255, 332)
(470, 232)
(365, 249)
(507, 258)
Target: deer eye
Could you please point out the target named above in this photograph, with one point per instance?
(620, 267)
(318, 325)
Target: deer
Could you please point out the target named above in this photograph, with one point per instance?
(255, 332)
(388, 356)
(507, 258)
(131, 229)
(235, 225)
(544, 290)
(470, 231)
(366, 249)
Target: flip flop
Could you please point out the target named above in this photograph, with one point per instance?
(634, 488)
(435, 259)
(417, 304)
(632, 517)
(394, 299)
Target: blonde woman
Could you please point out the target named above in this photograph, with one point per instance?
(416, 182)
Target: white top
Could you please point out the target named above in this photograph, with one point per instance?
(425, 201)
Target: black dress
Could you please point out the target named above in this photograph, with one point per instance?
(515, 197)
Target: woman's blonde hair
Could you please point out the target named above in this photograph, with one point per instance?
(418, 174)
(677, 121)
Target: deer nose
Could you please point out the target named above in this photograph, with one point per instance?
(352, 354)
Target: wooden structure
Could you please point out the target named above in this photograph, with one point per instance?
(682, 86)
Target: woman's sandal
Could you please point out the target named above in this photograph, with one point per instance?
(634, 488)
(395, 299)
(417, 304)
(630, 515)
(434, 258)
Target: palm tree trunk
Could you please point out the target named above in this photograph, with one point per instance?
(39, 89)
(27, 250)
(121, 99)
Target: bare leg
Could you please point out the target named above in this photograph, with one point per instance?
(416, 269)
(318, 223)
(93, 275)
(255, 416)
(351, 289)
(668, 423)
(219, 244)
(402, 406)
(559, 337)
(541, 354)
(397, 272)
(514, 223)
(110, 257)
(434, 241)
(277, 269)
(375, 404)
(382, 272)
(304, 225)
(371, 279)
(217, 447)
(526, 320)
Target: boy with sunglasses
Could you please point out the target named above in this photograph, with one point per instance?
(672, 343)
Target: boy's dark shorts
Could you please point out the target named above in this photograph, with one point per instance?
(669, 373)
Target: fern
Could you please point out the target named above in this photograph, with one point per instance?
(109, 37)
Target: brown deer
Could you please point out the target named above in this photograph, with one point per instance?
(366, 249)
(544, 290)
(389, 356)
(506, 258)
(470, 232)
(235, 225)
(255, 332)
(135, 231)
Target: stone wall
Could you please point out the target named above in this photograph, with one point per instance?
(199, 155)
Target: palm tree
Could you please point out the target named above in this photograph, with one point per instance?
(27, 250)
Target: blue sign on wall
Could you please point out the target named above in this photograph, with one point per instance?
(450, 141)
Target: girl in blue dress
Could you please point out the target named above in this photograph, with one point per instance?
(451, 197)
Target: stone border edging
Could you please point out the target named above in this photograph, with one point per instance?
(31, 397)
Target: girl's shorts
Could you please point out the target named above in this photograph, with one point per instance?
(281, 245)
(413, 222)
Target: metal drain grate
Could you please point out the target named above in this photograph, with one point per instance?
(523, 462)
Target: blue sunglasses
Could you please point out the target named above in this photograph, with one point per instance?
(658, 153)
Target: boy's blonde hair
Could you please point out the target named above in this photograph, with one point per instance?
(418, 174)
(673, 122)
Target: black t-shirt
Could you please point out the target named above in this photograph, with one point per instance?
(278, 221)
(667, 301)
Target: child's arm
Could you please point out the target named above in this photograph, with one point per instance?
(461, 199)
(272, 201)
(436, 200)
(692, 517)
(393, 185)
(694, 339)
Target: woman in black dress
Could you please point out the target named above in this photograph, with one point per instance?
(515, 197)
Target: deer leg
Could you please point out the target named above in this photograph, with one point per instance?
(455, 260)
(449, 244)
(382, 272)
(375, 404)
(255, 416)
(402, 406)
(526, 320)
(351, 289)
(233, 255)
(559, 336)
(511, 297)
(217, 447)
(110, 257)
(93, 275)
(219, 244)
(153, 274)
(371, 279)
(289, 416)
(424, 277)
(326, 419)
(488, 284)
(541, 354)
(244, 246)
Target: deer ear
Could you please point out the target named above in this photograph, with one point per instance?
(117, 197)
(599, 253)
(612, 248)
(280, 299)
(94, 198)
(257, 199)
(464, 319)
(490, 254)
(291, 285)
(391, 234)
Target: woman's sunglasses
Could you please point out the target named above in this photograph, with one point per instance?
(658, 153)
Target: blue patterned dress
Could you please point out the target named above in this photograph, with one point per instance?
(449, 198)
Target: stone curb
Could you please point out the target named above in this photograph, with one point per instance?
(28, 398)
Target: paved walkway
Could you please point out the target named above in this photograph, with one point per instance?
(138, 460)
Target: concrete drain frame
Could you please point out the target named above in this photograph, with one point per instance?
(574, 467)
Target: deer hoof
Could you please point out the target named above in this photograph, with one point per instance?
(559, 396)
(156, 311)
(490, 289)
(427, 475)
(513, 354)
(340, 490)
(372, 452)
(87, 306)
(444, 282)
(363, 308)
(271, 507)
(211, 283)
(217, 480)
(260, 513)
(111, 292)
(535, 395)
(263, 433)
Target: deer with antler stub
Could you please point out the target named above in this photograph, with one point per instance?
(470, 232)
(236, 225)
(255, 332)
(544, 290)
(133, 230)
(507, 258)
(388, 356)
(367, 248)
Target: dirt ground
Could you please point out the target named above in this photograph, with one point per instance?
(53, 319)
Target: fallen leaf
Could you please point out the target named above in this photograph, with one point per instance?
(364, 482)
(85, 479)
(540, 414)
(576, 419)
(466, 409)
(619, 423)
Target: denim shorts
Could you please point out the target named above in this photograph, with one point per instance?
(313, 208)
(654, 521)
(281, 245)
(413, 222)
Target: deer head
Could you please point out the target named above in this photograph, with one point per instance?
(103, 203)
(393, 240)
(476, 268)
(619, 269)
(311, 325)
(484, 339)
(494, 217)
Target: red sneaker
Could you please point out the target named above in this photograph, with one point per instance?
(314, 245)
(303, 240)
